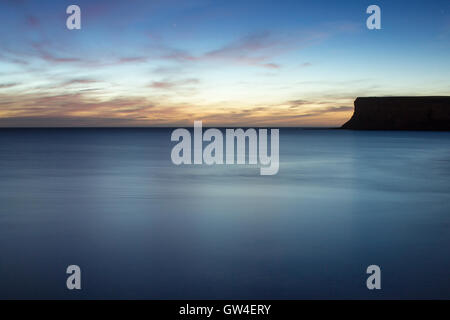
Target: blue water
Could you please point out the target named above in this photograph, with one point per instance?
(112, 202)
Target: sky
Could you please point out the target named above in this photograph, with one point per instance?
(227, 63)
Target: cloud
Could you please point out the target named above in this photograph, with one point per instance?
(245, 45)
(172, 84)
(61, 90)
(42, 121)
(338, 109)
(20, 110)
(79, 81)
(54, 53)
(321, 111)
(254, 49)
(132, 59)
(51, 57)
(178, 55)
(296, 103)
(271, 65)
(258, 48)
(7, 85)
(81, 109)
(161, 85)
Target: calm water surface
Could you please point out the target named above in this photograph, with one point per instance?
(111, 201)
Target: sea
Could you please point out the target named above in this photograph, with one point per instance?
(111, 201)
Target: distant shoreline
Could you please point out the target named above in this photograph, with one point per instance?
(174, 127)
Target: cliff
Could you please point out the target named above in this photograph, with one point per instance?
(400, 113)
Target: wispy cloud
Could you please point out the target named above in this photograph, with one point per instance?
(87, 109)
(256, 49)
(172, 84)
(80, 81)
(132, 59)
(7, 85)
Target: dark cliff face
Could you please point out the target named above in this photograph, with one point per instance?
(400, 113)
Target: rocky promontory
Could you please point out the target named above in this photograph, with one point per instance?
(400, 113)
